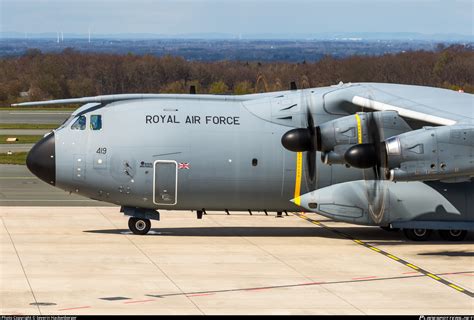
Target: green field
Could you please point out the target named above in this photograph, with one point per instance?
(28, 126)
(21, 139)
(15, 158)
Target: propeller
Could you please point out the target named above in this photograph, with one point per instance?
(371, 157)
(304, 139)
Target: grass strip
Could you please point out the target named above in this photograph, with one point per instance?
(21, 138)
(14, 158)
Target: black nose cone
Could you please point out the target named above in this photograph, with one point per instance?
(41, 159)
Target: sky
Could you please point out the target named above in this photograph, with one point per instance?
(171, 17)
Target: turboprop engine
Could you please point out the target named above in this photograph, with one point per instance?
(431, 153)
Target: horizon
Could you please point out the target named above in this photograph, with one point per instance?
(237, 18)
(323, 36)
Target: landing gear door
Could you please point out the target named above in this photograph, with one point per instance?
(165, 182)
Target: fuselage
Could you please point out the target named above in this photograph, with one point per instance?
(202, 152)
(219, 154)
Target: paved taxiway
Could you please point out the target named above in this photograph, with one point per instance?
(73, 260)
(74, 256)
(15, 132)
(19, 187)
(33, 117)
(22, 147)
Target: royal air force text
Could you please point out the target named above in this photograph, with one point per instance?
(206, 120)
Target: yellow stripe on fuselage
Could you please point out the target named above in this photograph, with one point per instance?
(299, 170)
(359, 129)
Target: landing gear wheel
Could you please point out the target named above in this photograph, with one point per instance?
(139, 226)
(390, 229)
(417, 234)
(453, 235)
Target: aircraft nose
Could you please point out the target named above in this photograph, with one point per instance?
(41, 159)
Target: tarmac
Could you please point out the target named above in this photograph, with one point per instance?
(75, 261)
(15, 132)
(22, 147)
(19, 187)
(68, 255)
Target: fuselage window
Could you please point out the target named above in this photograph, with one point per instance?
(96, 122)
(79, 124)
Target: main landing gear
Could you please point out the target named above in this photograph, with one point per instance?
(453, 235)
(417, 234)
(425, 234)
(421, 234)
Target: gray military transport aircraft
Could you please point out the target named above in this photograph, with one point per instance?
(388, 155)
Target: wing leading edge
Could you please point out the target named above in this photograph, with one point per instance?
(426, 104)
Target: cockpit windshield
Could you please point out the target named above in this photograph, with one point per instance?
(80, 123)
(96, 122)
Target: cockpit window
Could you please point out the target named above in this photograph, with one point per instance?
(79, 124)
(96, 122)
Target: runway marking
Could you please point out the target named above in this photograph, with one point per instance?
(74, 308)
(313, 283)
(375, 249)
(258, 289)
(456, 287)
(129, 239)
(365, 278)
(412, 266)
(297, 285)
(391, 256)
(200, 295)
(139, 301)
(433, 276)
(22, 266)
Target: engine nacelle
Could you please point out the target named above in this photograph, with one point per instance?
(336, 137)
(431, 153)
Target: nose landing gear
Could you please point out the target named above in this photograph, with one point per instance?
(139, 221)
(139, 226)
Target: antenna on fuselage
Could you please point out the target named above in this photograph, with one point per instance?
(192, 89)
(293, 86)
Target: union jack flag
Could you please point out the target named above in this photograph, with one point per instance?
(183, 165)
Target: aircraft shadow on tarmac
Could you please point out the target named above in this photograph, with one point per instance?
(375, 235)
(449, 253)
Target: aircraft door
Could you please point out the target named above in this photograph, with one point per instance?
(165, 182)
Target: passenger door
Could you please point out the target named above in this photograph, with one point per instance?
(165, 182)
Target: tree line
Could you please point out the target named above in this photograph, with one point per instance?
(39, 76)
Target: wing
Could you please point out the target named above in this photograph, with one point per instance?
(426, 105)
(122, 97)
